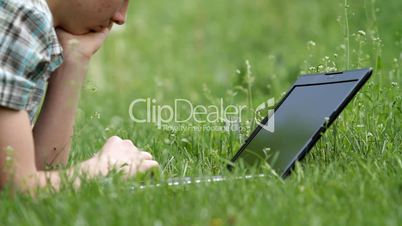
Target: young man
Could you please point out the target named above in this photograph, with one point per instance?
(49, 44)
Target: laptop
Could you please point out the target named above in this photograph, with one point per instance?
(290, 131)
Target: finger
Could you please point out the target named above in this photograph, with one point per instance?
(129, 143)
(142, 167)
(146, 155)
(114, 139)
(147, 165)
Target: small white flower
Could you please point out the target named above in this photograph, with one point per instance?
(311, 44)
(362, 33)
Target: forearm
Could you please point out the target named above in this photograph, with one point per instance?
(54, 129)
(30, 182)
(17, 156)
(17, 164)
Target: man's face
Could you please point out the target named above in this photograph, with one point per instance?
(84, 16)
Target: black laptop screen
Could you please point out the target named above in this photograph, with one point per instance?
(305, 110)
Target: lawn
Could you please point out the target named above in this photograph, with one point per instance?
(205, 50)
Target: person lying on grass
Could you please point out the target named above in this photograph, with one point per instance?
(49, 44)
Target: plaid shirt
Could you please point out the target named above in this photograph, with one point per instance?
(29, 53)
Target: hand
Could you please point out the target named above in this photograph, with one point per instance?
(121, 155)
(81, 47)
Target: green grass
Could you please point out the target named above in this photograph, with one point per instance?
(192, 49)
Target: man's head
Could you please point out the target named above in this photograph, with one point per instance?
(83, 16)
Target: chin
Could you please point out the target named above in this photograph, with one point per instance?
(75, 30)
(78, 32)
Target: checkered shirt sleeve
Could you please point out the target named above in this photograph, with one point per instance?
(29, 52)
